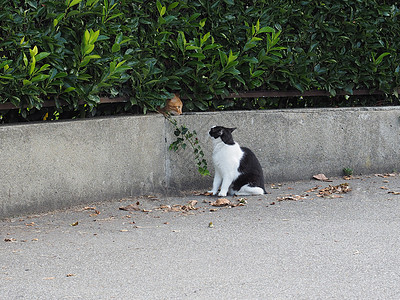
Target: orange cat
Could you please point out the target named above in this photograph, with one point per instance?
(172, 106)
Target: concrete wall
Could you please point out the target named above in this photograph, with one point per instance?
(47, 166)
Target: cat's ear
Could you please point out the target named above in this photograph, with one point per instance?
(231, 129)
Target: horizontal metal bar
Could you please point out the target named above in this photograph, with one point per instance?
(295, 93)
(104, 100)
(250, 94)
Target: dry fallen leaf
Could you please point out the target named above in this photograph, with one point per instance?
(394, 193)
(131, 207)
(386, 175)
(273, 186)
(95, 214)
(197, 193)
(221, 202)
(190, 206)
(313, 189)
(339, 189)
(290, 198)
(10, 240)
(75, 223)
(70, 275)
(321, 177)
(179, 208)
(175, 207)
(89, 208)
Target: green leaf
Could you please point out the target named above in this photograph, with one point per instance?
(200, 56)
(88, 49)
(33, 64)
(163, 11)
(84, 77)
(44, 67)
(223, 57)
(91, 2)
(74, 2)
(159, 6)
(380, 58)
(40, 77)
(25, 59)
(60, 75)
(33, 51)
(42, 55)
(250, 44)
(116, 48)
(84, 62)
(69, 89)
(181, 41)
(205, 38)
(202, 22)
(189, 47)
(93, 36)
(212, 46)
(172, 5)
(231, 58)
(266, 29)
(257, 73)
(86, 37)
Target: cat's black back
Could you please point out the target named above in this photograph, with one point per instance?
(250, 171)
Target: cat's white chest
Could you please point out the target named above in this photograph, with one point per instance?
(227, 158)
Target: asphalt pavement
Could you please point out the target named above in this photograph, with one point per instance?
(303, 240)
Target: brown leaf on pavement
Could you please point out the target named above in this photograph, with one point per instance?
(197, 193)
(95, 213)
(10, 240)
(221, 202)
(290, 198)
(338, 189)
(190, 206)
(313, 189)
(179, 208)
(321, 177)
(386, 175)
(394, 193)
(131, 207)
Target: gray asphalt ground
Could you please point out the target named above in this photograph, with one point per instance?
(288, 244)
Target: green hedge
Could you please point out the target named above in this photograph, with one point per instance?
(81, 50)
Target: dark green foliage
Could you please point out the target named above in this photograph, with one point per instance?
(74, 50)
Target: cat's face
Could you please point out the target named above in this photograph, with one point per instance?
(174, 105)
(222, 132)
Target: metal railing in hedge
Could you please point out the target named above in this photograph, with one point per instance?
(243, 94)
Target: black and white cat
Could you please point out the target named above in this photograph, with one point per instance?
(237, 169)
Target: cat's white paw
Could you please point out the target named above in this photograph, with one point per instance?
(221, 194)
